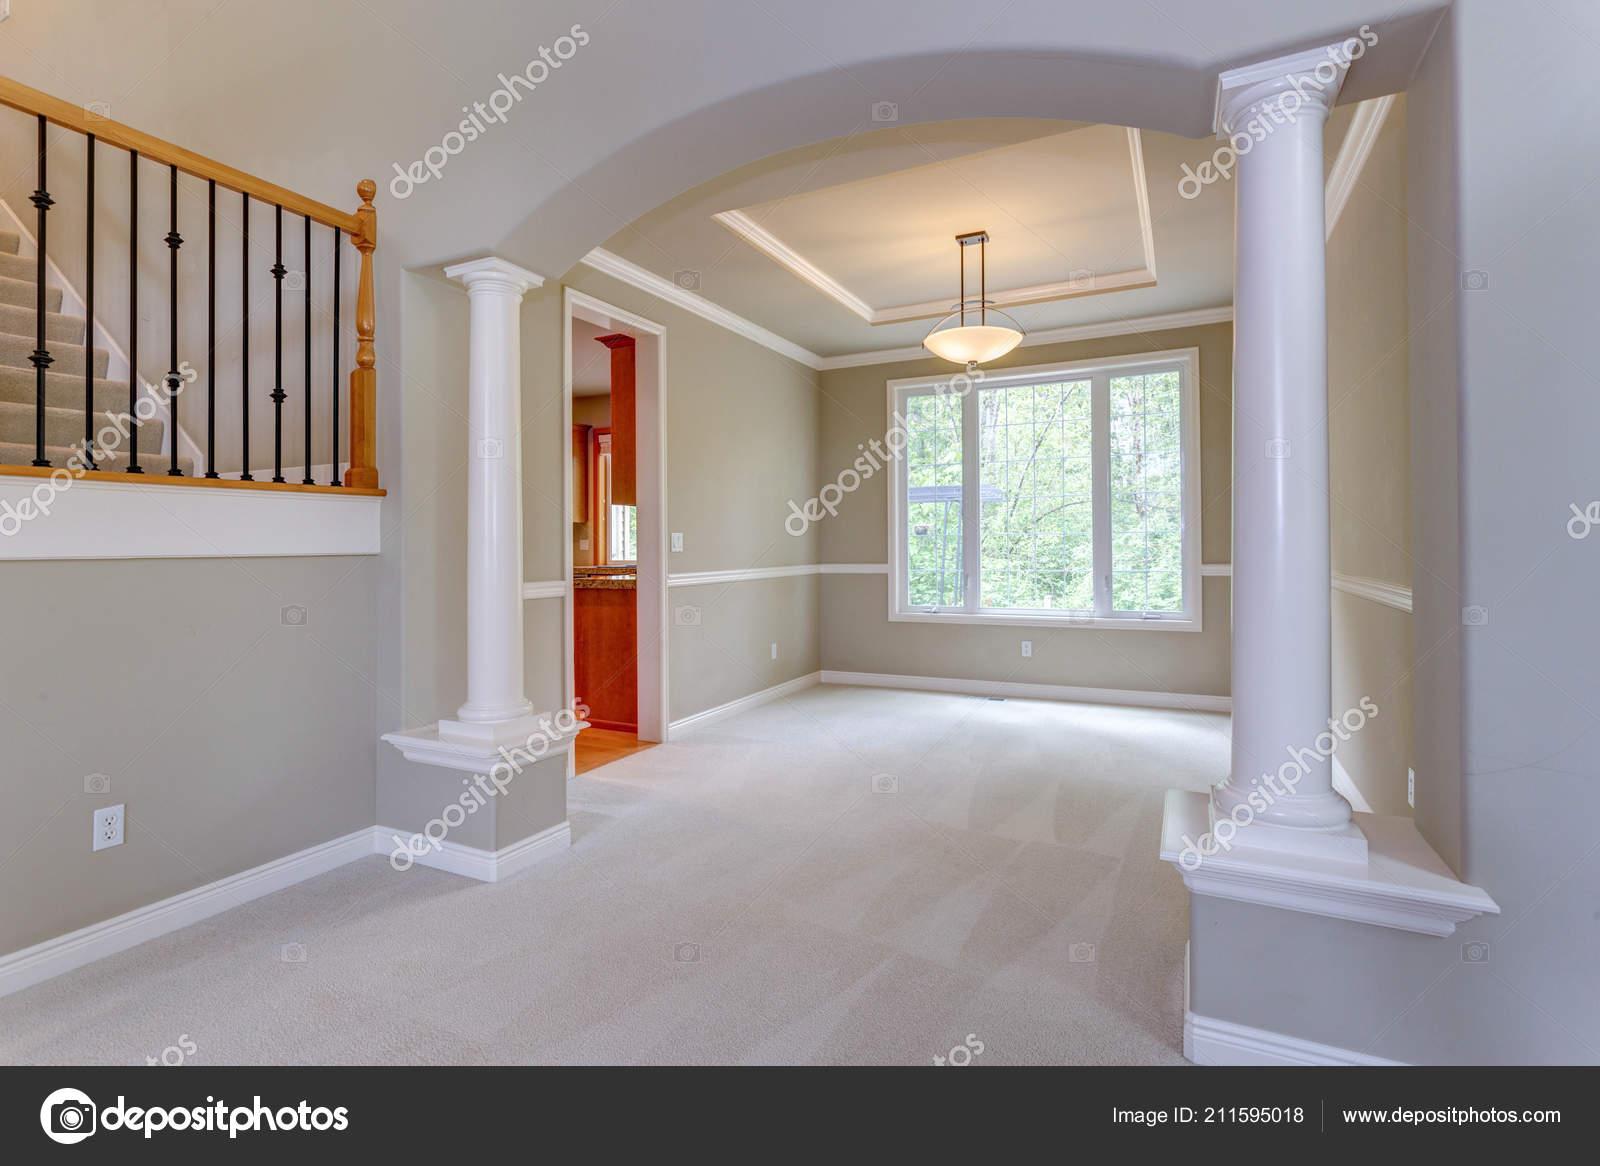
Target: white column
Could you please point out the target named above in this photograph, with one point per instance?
(497, 710)
(1280, 786)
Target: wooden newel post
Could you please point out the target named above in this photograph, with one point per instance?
(363, 471)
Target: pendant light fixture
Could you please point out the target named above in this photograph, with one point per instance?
(994, 334)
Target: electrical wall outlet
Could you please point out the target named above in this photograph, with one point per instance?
(1027, 648)
(583, 544)
(774, 651)
(108, 826)
(677, 540)
(1411, 788)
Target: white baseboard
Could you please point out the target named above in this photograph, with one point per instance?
(1129, 696)
(32, 965)
(776, 692)
(487, 866)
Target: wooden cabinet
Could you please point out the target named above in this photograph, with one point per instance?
(624, 423)
(606, 654)
(580, 473)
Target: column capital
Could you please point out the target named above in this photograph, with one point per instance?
(491, 273)
(1283, 88)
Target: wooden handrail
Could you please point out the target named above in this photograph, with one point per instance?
(73, 117)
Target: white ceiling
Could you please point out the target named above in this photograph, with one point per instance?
(876, 213)
(661, 97)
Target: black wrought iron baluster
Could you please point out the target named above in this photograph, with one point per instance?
(133, 313)
(88, 313)
(308, 480)
(244, 342)
(174, 380)
(41, 354)
(211, 329)
(278, 395)
(336, 289)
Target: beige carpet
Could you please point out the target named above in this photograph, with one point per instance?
(849, 876)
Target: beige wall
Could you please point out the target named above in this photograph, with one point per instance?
(232, 737)
(857, 633)
(1368, 438)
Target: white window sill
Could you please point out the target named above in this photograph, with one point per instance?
(128, 520)
(1037, 619)
(1403, 884)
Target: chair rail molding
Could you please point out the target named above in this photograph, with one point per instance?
(1378, 590)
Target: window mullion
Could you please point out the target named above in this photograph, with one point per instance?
(971, 501)
(1100, 468)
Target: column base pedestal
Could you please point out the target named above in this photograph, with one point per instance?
(488, 736)
(1347, 844)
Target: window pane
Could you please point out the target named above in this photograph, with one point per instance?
(1036, 546)
(624, 537)
(933, 500)
(1146, 475)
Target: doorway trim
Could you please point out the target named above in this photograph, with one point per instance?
(654, 721)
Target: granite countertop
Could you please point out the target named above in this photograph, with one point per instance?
(618, 578)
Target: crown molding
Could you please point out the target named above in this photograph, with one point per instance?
(1354, 151)
(609, 263)
(1132, 326)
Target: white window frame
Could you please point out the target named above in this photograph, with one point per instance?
(1099, 372)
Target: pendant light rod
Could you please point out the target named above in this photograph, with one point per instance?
(964, 241)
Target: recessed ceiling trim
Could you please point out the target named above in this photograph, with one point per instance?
(1078, 283)
(614, 265)
(766, 242)
(1141, 195)
(1132, 326)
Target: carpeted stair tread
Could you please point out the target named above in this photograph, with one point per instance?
(10, 241)
(63, 427)
(14, 266)
(21, 293)
(61, 390)
(66, 358)
(154, 465)
(58, 328)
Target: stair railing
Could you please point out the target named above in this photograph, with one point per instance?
(361, 226)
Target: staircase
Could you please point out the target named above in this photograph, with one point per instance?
(64, 396)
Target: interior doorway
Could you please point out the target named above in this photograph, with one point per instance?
(615, 644)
